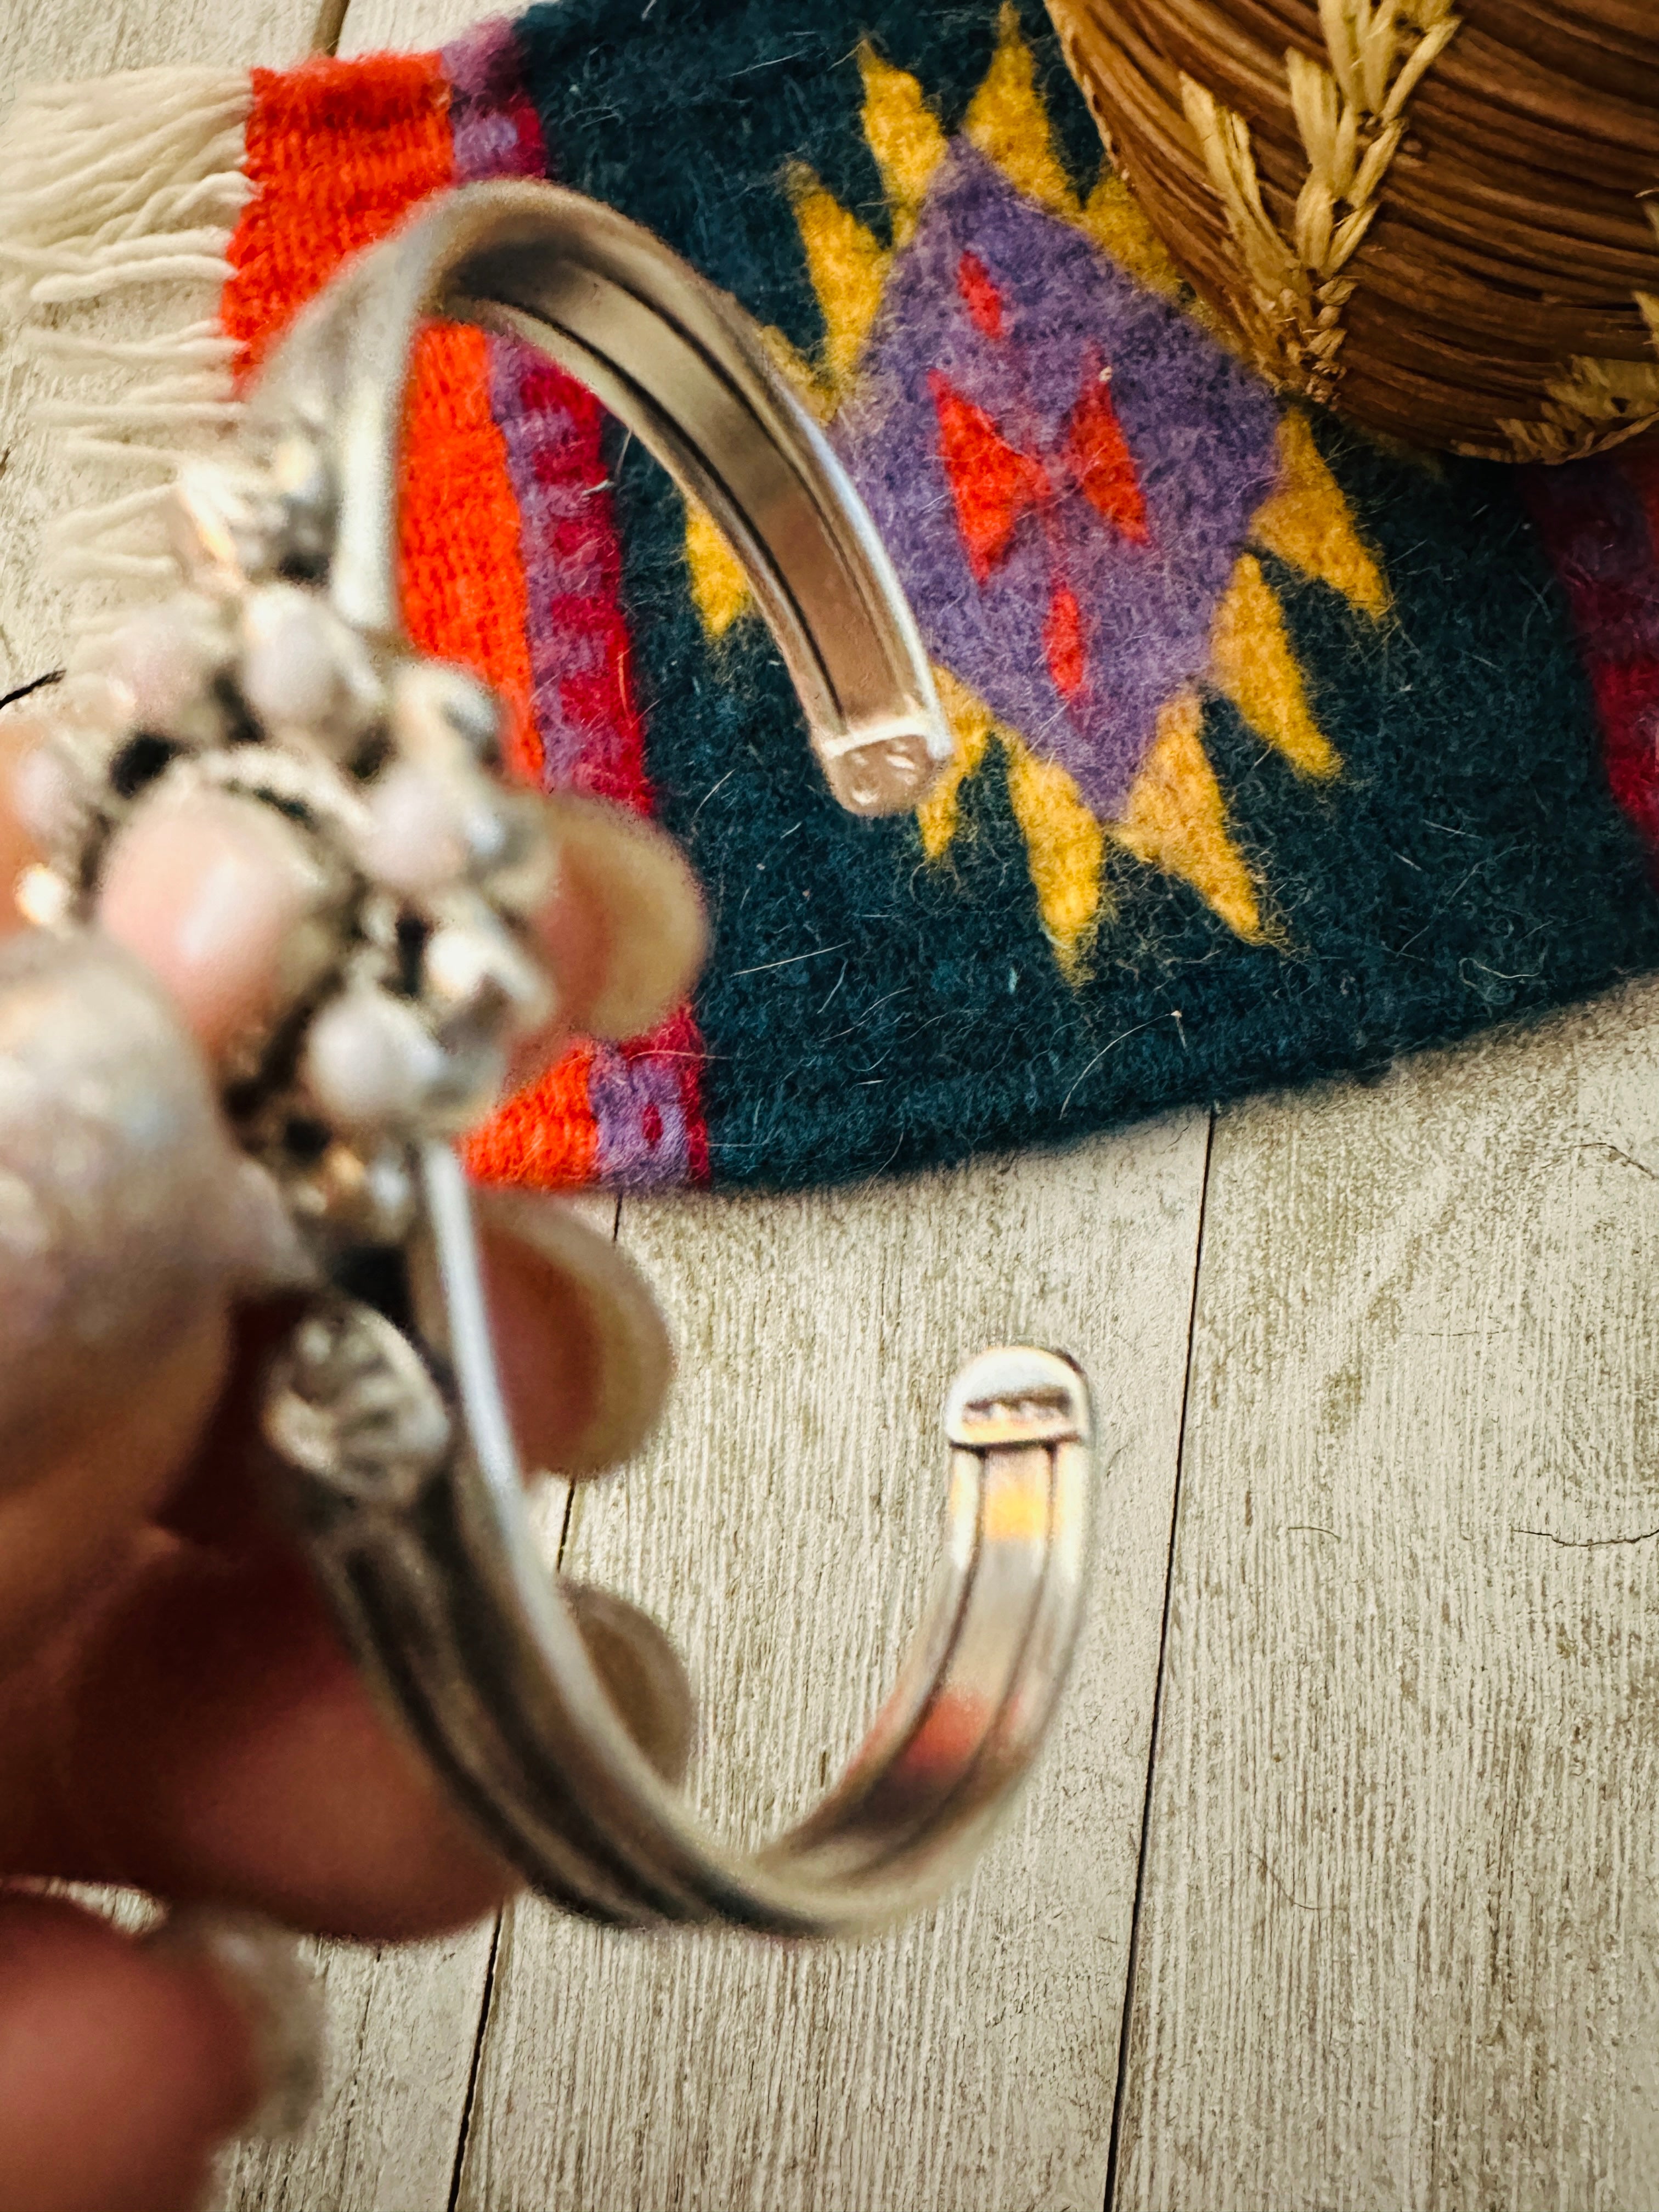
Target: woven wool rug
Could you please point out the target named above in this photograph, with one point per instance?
(1277, 754)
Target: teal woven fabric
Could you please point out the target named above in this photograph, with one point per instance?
(1278, 754)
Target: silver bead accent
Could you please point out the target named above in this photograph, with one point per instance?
(44, 899)
(303, 669)
(351, 1403)
(473, 969)
(436, 707)
(416, 840)
(371, 1062)
(162, 660)
(355, 1194)
(402, 990)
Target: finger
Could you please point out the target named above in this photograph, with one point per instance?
(65, 1535)
(644, 1673)
(213, 892)
(22, 729)
(119, 1228)
(583, 1353)
(122, 2067)
(214, 1741)
(207, 1736)
(625, 933)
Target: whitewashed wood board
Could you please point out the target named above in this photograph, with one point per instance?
(43, 42)
(405, 26)
(402, 2027)
(1399, 1941)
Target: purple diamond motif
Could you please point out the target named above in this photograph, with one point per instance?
(1019, 313)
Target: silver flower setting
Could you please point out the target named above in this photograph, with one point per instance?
(401, 995)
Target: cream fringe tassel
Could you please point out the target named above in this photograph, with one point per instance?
(114, 195)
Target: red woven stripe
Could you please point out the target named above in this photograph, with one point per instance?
(340, 152)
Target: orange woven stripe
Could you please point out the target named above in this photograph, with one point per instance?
(463, 578)
(340, 152)
(547, 1138)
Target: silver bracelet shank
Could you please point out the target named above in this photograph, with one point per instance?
(448, 1605)
(435, 1576)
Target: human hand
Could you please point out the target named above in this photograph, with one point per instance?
(176, 1712)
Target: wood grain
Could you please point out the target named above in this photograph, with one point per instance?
(782, 1529)
(76, 39)
(410, 26)
(402, 2026)
(1399, 1931)
(588, 2032)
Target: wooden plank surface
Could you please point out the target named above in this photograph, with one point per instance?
(406, 26)
(819, 1335)
(1397, 1944)
(402, 2028)
(782, 1529)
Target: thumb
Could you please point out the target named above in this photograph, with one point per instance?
(118, 1193)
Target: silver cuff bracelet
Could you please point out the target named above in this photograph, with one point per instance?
(385, 1403)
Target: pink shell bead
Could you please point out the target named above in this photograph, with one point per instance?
(416, 838)
(208, 889)
(159, 657)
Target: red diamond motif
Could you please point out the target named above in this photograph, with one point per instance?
(993, 483)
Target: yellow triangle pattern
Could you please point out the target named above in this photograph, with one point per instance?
(1065, 841)
(847, 265)
(816, 395)
(1065, 845)
(720, 590)
(1251, 663)
(1176, 819)
(905, 136)
(971, 723)
(1306, 521)
(1112, 216)
(1009, 123)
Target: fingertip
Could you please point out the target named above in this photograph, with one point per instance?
(625, 932)
(123, 2070)
(23, 732)
(124, 1245)
(95, 1479)
(585, 1357)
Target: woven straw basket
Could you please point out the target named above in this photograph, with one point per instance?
(1432, 213)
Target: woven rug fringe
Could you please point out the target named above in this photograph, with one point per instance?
(107, 187)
